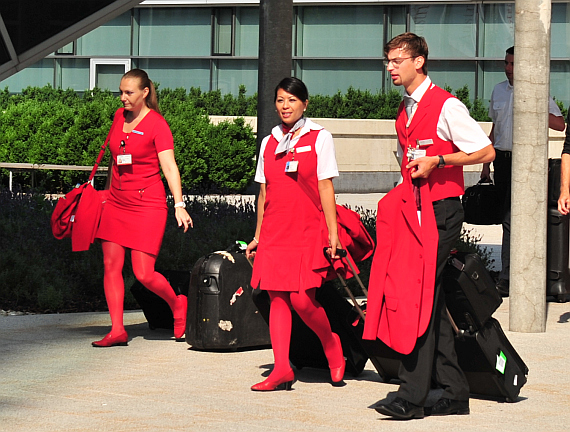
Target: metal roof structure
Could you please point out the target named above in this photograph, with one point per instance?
(32, 29)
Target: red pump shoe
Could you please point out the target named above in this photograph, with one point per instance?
(179, 313)
(337, 374)
(283, 383)
(109, 341)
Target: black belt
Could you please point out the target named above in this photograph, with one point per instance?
(502, 153)
(456, 198)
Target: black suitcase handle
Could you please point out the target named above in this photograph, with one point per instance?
(342, 253)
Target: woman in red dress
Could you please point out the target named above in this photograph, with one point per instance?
(296, 162)
(134, 215)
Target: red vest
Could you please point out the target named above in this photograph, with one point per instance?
(445, 182)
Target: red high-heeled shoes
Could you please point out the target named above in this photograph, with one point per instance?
(179, 314)
(283, 383)
(109, 341)
(337, 374)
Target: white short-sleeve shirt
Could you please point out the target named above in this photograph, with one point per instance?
(501, 112)
(324, 147)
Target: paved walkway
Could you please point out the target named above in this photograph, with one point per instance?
(51, 379)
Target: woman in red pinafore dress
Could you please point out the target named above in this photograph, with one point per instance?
(296, 161)
(134, 215)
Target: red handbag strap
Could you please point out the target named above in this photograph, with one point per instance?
(101, 153)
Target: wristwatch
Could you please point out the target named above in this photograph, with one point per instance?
(441, 163)
(180, 204)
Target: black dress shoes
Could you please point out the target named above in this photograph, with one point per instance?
(401, 409)
(446, 406)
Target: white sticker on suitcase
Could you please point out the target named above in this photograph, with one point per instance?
(225, 325)
(237, 294)
(501, 362)
(226, 255)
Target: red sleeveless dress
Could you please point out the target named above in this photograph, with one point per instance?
(291, 228)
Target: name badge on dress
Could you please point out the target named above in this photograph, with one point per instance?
(291, 166)
(304, 149)
(124, 159)
(415, 153)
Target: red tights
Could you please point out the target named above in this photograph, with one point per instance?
(312, 313)
(143, 268)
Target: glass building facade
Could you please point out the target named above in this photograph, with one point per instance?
(334, 47)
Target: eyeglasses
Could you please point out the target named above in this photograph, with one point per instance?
(396, 62)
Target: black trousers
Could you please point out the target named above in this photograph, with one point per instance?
(434, 356)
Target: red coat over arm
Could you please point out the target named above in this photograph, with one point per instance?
(402, 279)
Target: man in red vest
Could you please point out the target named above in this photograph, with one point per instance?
(436, 137)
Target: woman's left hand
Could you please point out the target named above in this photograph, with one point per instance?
(183, 218)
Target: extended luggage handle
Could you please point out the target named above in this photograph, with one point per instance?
(342, 253)
(458, 332)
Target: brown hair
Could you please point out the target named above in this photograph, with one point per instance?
(415, 45)
(144, 81)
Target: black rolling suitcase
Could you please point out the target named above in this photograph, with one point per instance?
(385, 360)
(155, 309)
(490, 363)
(470, 293)
(305, 348)
(557, 254)
(221, 313)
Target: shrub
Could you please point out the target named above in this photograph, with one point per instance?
(39, 273)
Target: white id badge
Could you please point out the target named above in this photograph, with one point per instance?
(291, 166)
(124, 159)
(418, 153)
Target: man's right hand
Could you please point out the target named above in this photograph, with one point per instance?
(564, 203)
(486, 172)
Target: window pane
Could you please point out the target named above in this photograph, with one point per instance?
(247, 32)
(112, 38)
(327, 77)
(178, 73)
(175, 32)
(108, 76)
(75, 74)
(67, 49)
(497, 30)
(453, 74)
(37, 75)
(560, 30)
(450, 30)
(397, 21)
(559, 82)
(232, 73)
(223, 32)
(340, 31)
(493, 73)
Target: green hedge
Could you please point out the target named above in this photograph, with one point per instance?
(49, 126)
(39, 273)
(54, 126)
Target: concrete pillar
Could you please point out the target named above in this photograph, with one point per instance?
(275, 59)
(527, 308)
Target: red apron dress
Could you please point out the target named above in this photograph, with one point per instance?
(134, 215)
(291, 227)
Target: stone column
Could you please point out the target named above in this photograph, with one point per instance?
(275, 59)
(527, 306)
